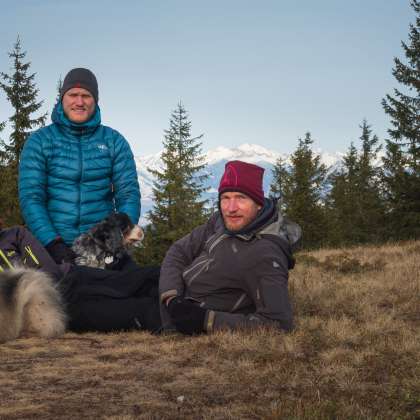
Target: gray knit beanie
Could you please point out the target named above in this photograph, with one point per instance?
(82, 78)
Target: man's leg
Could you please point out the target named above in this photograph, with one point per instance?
(124, 264)
(105, 300)
(128, 264)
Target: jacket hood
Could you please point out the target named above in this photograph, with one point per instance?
(285, 234)
(59, 118)
(284, 230)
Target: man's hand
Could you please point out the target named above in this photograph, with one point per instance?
(60, 252)
(168, 300)
(175, 309)
(187, 317)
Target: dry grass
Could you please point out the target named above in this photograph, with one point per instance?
(354, 354)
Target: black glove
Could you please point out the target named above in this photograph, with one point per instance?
(60, 252)
(175, 309)
(189, 318)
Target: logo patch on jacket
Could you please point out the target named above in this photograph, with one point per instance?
(235, 250)
(102, 146)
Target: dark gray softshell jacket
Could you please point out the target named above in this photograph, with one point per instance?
(240, 279)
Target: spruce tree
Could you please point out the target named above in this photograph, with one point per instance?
(341, 201)
(304, 189)
(177, 191)
(402, 163)
(21, 93)
(355, 203)
(59, 87)
(280, 176)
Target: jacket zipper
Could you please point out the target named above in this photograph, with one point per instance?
(200, 270)
(208, 240)
(259, 292)
(224, 236)
(208, 261)
(238, 303)
(28, 250)
(192, 268)
(80, 179)
(7, 261)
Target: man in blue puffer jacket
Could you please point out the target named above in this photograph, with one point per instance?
(75, 171)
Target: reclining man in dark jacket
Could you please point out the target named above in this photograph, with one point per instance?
(232, 271)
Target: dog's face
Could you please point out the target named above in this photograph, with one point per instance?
(115, 231)
(131, 232)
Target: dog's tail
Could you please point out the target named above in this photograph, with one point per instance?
(30, 302)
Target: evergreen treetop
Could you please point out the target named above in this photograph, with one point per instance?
(302, 189)
(59, 87)
(402, 163)
(21, 93)
(277, 187)
(355, 201)
(177, 191)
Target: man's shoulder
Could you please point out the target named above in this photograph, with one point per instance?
(42, 133)
(109, 131)
(41, 138)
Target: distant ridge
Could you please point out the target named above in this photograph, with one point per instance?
(215, 161)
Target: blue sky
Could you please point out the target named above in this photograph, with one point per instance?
(261, 72)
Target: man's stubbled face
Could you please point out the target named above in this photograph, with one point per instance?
(238, 210)
(78, 105)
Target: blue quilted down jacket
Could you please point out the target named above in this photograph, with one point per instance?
(71, 177)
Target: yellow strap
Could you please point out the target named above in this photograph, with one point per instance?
(7, 261)
(28, 250)
(1, 269)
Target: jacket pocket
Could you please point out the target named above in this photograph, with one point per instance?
(260, 295)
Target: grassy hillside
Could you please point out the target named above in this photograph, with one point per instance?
(354, 354)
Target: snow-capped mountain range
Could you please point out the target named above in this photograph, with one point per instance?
(215, 161)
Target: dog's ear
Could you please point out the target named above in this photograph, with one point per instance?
(116, 243)
(99, 232)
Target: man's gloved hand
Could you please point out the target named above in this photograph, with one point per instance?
(175, 309)
(187, 317)
(60, 252)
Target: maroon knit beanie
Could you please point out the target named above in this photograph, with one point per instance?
(243, 177)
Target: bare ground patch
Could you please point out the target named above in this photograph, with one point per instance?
(354, 354)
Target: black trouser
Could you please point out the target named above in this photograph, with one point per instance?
(106, 300)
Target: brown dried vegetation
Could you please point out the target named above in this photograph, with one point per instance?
(354, 354)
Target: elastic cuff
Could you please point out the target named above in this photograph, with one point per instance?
(167, 295)
(209, 321)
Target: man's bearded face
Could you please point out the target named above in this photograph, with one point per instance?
(238, 210)
(78, 105)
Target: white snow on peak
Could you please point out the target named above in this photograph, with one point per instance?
(216, 158)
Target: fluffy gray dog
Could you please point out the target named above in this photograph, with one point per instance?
(29, 302)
